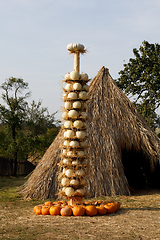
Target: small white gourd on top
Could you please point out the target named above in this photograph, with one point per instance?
(74, 75)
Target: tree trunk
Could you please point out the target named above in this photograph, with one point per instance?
(15, 150)
(15, 164)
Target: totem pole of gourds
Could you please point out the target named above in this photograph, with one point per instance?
(73, 162)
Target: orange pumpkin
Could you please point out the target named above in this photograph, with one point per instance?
(111, 207)
(101, 210)
(49, 203)
(66, 211)
(98, 202)
(38, 209)
(45, 210)
(78, 210)
(55, 210)
(87, 203)
(91, 210)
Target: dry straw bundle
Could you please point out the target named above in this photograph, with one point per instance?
(122, 147)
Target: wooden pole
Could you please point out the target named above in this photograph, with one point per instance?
(77, 61)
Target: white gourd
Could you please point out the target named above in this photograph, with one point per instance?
(74, 182)
(80, 47)
(80, 172)
(78, 124)
(76, 162)
(83, 144)
(80, 153)
(74, 75)
(66, 143)
(64, 170)
(64, 151)
(69, 172)
(66, 161)
(84, 114)
(68, 124)
(69, 153)
(84, 76)
(69, 134)
(70, 47)
(68, 105)
(85, 87)
(65, 96)
(65, 115)
(72, 95)
(77, 104)
(75, 47)
(77, 86)
(73, 114)
(80, 191)
(68, 87)
(74, 144)
(80, 134)
(65, 181)
(63, 189)
(83, 95)
(67, 76)
(69, 191)
(85, 105)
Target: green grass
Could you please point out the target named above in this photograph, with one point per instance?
(9, 189)
(10, 194)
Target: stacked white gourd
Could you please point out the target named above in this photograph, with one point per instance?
(73, 157)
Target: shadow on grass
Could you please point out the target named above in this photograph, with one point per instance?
(11, 182)
(129, 209)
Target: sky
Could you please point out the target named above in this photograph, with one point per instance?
(34, 35)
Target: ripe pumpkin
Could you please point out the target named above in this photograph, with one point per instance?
(78, 210)
(87, 203)
(55, 210)
(101, 210)
(66, 211)
(91, 210)
(49, 203)
(112, 207)
(38, 209)
(98, 203)
(45, 210)
(57, 203)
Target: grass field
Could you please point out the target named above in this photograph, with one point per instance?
(138, 218)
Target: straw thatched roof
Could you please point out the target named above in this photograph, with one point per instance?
(123, 150)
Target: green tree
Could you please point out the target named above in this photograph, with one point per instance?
(140, 79)
(39, 129)
(25, 129)
(13, 112)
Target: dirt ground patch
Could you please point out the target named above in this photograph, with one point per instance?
(138, 218)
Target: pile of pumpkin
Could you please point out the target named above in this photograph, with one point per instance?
(87, 208)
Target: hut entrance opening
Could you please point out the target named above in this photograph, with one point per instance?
(136, 169)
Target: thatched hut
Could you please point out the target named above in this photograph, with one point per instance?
(123, 150)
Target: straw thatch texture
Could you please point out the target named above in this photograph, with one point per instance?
(115, 129)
